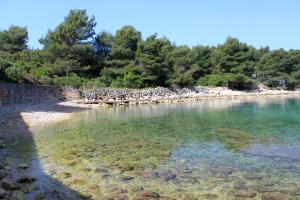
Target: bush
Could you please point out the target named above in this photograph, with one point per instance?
(46, 80)
(108, 75)
(183, 80)
(213, 80)
(94, 83)
(15, 74)
(72, 80)
(4, 64)
(239, 82)
(233, 81)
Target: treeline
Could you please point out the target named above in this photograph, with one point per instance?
(73, 54)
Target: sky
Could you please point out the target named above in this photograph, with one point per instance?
(273, 23)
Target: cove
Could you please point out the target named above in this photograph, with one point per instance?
(195, 150)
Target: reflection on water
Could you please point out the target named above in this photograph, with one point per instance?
(204, 150)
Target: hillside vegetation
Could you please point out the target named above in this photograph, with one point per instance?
(73, 54)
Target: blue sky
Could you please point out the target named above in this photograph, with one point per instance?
(275, 23)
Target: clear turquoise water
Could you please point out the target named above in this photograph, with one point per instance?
(203, 150)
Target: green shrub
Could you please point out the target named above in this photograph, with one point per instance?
(46, 80)
(183, 80)
(213, 80)
(239, 82)
(72, 80)
(15, 74)
(233, 81)
(4, 64)
(93, 83)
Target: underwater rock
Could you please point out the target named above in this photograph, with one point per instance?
(127, 178)
(101, 170)
(244, 193)
(149, 175)
(263, 189)
(18, 195)
(269, 183)
(146, 195)
(39, 196)
(117, 171)
(221, 171)
(118, 190)
(2, 145)
(106, 176)
(252, 176)
(127, 167)
(23, 166)
(78, 182)
(117, 197)
(167, 176)
(3, 174)
(240, 185)
(274, 196)
(26, 179)
(292, 192)
(9, 185)
(63, 175)
(209, 196)
(135, 189)
(2, 193)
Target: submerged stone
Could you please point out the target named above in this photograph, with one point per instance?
(136, 189)
(63, 175)
(23, 166)
(149, 175)
(26, 179)
(263, 189)
(244, 193)
(3, 174)
(209, 196)
(18, 195)
(275, 196)
(9, 185)
(167, 176)
(146, 195)
(2, 193)
(127, 178)
(252, 176)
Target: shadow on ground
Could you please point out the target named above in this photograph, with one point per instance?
(14, 134)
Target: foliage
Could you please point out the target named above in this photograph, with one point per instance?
(71, 80)
(14, 39)
(73, 54)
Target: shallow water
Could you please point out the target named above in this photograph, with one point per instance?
(203, 150)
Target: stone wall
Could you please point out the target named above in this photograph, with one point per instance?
(17, 94)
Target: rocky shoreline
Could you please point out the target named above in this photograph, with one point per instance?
(11, 94)
(170, 95)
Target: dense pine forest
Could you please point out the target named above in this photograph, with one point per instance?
(73, 54)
